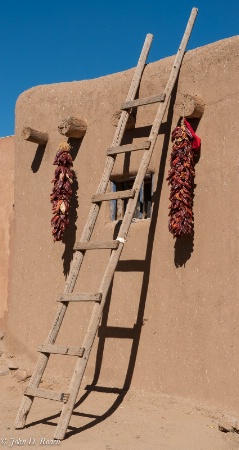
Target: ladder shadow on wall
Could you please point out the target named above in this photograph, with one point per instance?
(133, 333)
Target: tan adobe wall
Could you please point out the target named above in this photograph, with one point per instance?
(179, 302)
(6, 220)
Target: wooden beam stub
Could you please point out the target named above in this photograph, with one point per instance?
(72, 127)
(130, 121)
(38, 137)
(189, 106)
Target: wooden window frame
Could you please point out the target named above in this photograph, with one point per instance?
(117, 207)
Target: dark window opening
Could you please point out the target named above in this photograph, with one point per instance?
(144, 203)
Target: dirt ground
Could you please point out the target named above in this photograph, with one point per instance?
(108, 421)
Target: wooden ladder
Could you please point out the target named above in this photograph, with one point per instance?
(99, 298)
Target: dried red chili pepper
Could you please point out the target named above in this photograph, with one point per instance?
(61, 192)
(181, 179)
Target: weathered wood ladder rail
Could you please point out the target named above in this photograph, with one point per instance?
(82, 353)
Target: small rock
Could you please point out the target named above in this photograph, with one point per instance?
(11, 364)
(225, 427)
(4, 372)
(21, 375)
(234, 422)
(1, 335)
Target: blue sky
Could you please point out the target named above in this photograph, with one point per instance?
(50, 41)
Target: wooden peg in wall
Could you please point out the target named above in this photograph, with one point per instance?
(38, 137)
(189, 106)
(72, 127)
(130, 122)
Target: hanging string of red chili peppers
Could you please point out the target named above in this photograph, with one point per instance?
(61, 192)
(181, 179)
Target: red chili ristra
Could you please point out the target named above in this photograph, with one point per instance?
(181, 179)
(61, 192)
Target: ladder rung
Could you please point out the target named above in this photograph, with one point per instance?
(113, 196)
(128, 148)
(143, 101)
(61, 350)
(45, 393)
(86, 297)
(96, 245)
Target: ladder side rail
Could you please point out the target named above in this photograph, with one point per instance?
(115, 255)
(110, 160)
(87, 232)
(173, 75)
(123, 231)
(39, 369)
(87, 345)
(133, 89)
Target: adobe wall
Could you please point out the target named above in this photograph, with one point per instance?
(177, 300)
(6, 220)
